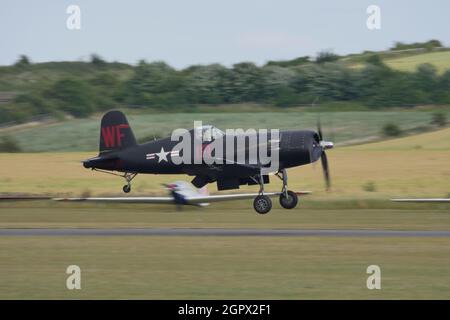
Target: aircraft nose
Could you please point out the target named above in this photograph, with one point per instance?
(315, 151)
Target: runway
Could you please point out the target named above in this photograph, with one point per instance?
(219, 232)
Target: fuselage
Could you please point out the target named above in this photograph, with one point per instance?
(295, 148)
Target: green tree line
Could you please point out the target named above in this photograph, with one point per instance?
(281, 84)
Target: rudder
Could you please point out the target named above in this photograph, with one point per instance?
(115, 132)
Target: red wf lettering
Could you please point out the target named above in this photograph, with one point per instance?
(112, 136)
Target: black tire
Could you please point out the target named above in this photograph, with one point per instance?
(290, 202)
(126, 188)
(262, 204)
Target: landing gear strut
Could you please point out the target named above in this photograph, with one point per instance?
(128, 177)
(288, 198)
(262, 203)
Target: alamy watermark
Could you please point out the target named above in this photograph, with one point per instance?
(374, 280)
(73, 281)
(234, 146)
(73, 21)
(373, 21)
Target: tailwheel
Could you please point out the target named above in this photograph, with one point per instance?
(128, 177)
(289, 199)
(262, 204)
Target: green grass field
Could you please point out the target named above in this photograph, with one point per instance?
(217, 267)
(238, 267)
(222, 267)
(239, 214)
(342, 127)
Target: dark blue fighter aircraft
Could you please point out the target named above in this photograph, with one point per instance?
(119, 152)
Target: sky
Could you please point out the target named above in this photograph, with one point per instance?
(187, 32)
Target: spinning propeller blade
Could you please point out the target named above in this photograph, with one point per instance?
(323, 157)
(326, 170)
(319, 129)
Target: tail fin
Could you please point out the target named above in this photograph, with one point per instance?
(115, 132)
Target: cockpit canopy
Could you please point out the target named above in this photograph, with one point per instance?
(208, 133)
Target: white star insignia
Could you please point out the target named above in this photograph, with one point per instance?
(162, 155)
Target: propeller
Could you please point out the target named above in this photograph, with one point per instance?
(326, 170)
(319, 129)
(323, 156)
(321, 146)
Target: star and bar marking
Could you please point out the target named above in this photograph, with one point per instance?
(162, 155)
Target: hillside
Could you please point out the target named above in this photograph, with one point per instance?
(19, 79)
(406, 62)
(14, 78)
(440, 59)
(371, 80)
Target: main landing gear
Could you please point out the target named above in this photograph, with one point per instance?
(288, 199)
(128, 177)
(262, 203)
